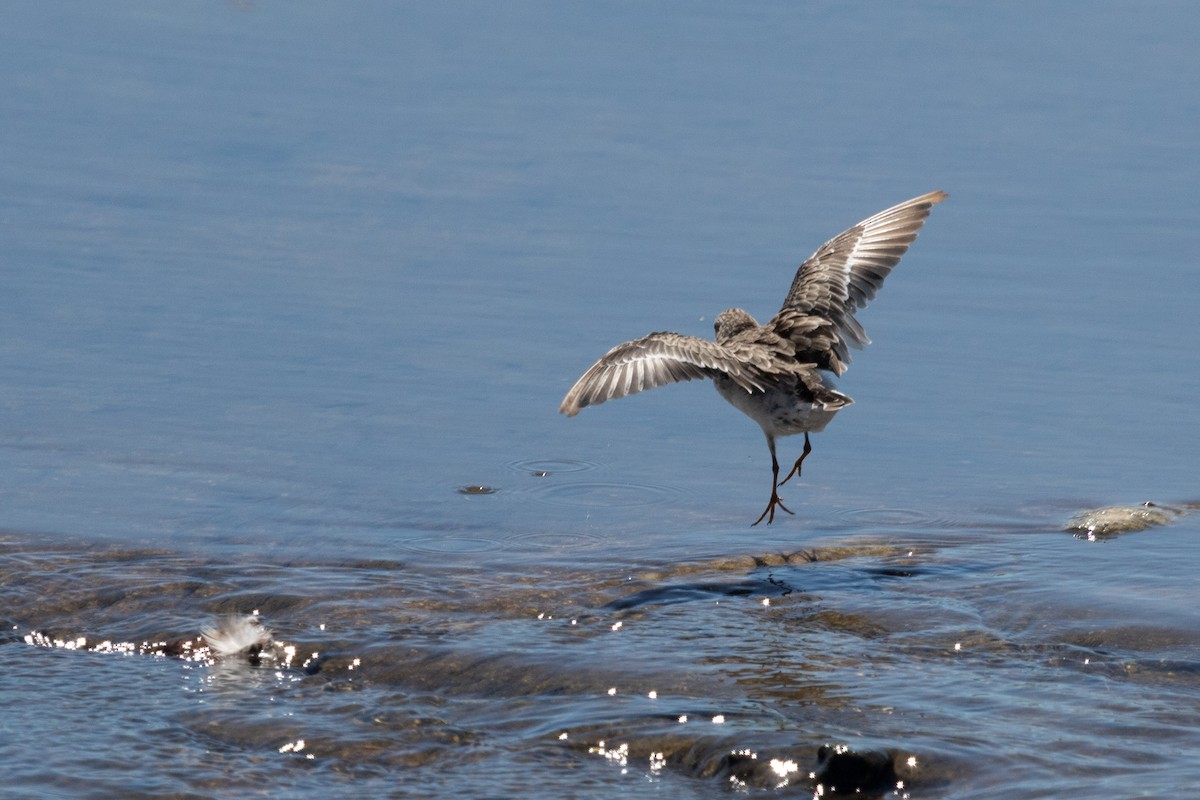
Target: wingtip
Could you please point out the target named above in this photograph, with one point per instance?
(936, 196)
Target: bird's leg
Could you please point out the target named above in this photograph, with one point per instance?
(775, 501)
(796, 467)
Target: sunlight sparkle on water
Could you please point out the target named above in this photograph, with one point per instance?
(187, 650)
(618, 755)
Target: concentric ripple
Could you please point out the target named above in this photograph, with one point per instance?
(607, 494)
(451, 544)
(544, 467)
(554, 541)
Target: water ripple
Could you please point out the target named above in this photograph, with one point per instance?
(542, 467)
(607, 494)
(555, 541)
(897, 517)
(452, 544)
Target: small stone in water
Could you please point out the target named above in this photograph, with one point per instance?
(1113, 520)
(476, 490)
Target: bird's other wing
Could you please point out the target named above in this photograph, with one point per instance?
(842, 277)
(656, 360)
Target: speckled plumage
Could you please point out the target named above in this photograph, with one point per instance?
(779, 374)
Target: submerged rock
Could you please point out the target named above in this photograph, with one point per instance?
(1115, 520)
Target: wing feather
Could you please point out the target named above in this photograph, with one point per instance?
(656, 360)
(844, 275)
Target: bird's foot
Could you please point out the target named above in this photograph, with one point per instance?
(769, 511)
(799, 461)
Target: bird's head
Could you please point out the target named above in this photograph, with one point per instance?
(731, 322)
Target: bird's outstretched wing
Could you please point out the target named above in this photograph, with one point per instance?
(656, 360)
(842, 277)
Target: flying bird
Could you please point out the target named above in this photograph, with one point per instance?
(779, 374)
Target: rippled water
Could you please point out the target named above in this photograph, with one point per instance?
(292, 295)
(592, 675)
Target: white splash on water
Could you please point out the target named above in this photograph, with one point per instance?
(233, 634)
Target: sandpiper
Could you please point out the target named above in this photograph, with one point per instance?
(779, 374)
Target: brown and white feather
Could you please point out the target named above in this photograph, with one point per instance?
(657, 360)
(841, 277)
